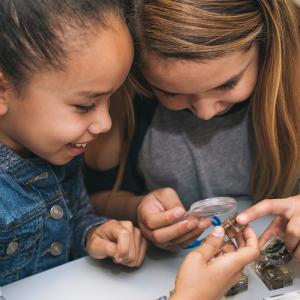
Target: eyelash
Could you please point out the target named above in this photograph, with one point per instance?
(85, 108)
(171, 95)
(228, 86)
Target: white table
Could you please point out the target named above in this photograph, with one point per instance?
(88, 279)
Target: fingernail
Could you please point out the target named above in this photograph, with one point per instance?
(217, 231)
(179, 212)
(241, 218)
(119, 260)
(192, 224)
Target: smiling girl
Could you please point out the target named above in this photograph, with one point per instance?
(59, 64)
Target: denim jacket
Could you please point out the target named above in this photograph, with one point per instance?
(44, 215)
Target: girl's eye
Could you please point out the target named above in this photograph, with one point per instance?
(85, 108)
(228, 86)
(170, 95)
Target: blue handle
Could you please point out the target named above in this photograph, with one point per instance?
(215, 221)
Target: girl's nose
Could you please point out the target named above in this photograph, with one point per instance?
(204, 111)
(101, 123)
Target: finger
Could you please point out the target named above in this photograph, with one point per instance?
(131, 252)
(162, 219)
(250, 238)
(250, 252)
(292, 236)
(137, 242)
(99, 248)
(160, 201)
(274, 229)
(142, 252)
(213, 243)
(131, 261)
(104, 239)
(192, 235)
(166, 234)
(123, 245)
(229, 247)
(240, 240)
(277, 207)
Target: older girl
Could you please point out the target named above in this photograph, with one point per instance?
(223, 118)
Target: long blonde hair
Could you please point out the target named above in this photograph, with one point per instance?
(189, 29)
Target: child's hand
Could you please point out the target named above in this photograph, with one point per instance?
(119, 240)
(286, 221)
(157, 215)
(204, 276)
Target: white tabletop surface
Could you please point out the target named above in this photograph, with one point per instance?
(88, 279)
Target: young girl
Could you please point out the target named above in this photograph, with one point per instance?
(223, 118)
(59, 63)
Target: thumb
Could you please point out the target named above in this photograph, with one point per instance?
(212, 244)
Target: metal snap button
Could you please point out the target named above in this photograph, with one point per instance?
(56, 212)
(12, 248)
(56, 249)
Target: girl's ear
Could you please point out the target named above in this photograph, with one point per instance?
(3, 95)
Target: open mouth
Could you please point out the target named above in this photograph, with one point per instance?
(76, 148)
(78, 145)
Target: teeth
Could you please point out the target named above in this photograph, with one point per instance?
(79, 145)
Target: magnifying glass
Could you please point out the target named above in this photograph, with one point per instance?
(211, 207)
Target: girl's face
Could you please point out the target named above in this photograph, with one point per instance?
(207, 88)
(61, 112)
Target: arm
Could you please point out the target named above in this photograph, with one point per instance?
(121, 205)
(101, 238)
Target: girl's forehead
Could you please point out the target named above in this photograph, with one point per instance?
(151, 61)
(100, 64)
(175, 72)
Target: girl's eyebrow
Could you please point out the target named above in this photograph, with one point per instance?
(93, 94)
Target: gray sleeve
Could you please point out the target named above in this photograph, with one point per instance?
(85, 219)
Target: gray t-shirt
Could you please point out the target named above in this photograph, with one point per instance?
(199, 159)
